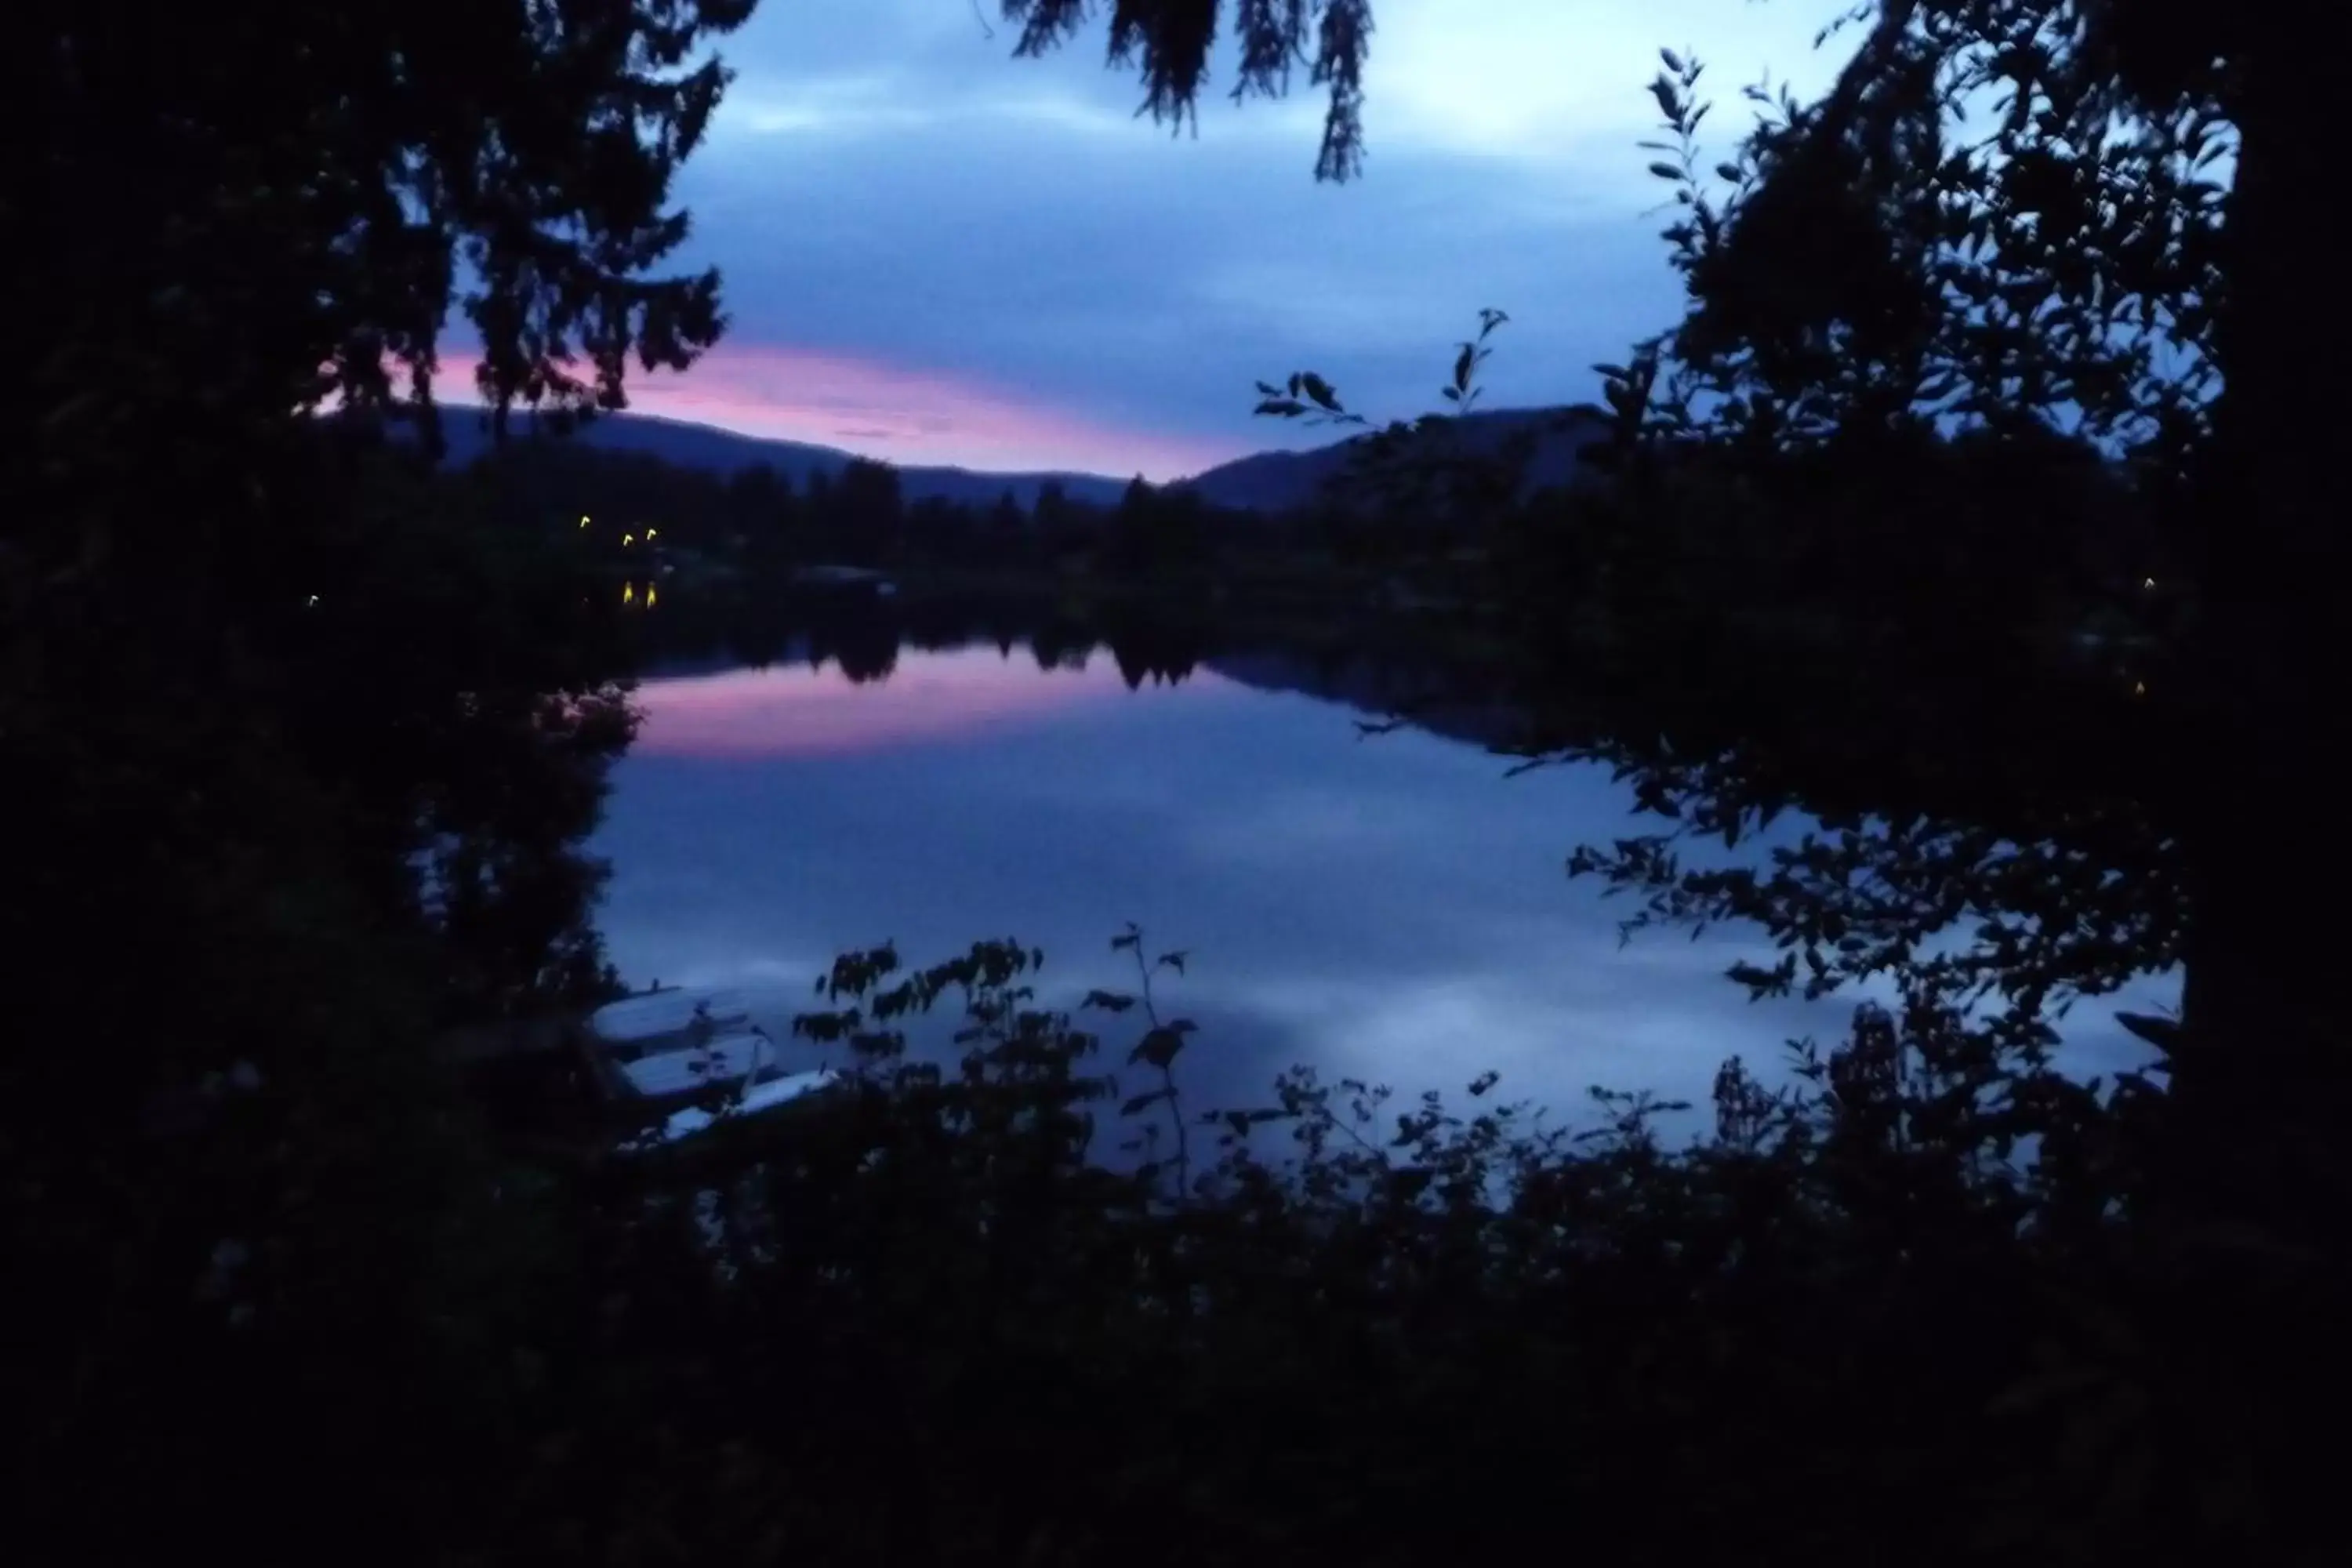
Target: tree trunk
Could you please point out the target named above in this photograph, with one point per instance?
(2268, 858)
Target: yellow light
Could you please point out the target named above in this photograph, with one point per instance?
(628, 592)
(652, 593)
(583, 520)
(2148, 582)
(628, 539)
(649, 535)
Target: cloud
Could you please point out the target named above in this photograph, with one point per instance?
(1561, 85)
(912, 223)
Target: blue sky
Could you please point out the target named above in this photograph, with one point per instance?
(935, 253)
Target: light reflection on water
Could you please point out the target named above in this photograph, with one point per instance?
(1394, 908)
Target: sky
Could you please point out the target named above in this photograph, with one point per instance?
(936, 254)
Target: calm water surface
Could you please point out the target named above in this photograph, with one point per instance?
(1392, 907)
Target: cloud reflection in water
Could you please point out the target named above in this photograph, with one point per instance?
(1394, 908)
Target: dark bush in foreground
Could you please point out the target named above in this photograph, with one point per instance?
(1926, 1306)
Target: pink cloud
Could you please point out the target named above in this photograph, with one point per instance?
(906, 416)
(784, 712)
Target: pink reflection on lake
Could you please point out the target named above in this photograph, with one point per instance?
(793, 710)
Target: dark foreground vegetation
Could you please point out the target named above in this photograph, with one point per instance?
(306, 741)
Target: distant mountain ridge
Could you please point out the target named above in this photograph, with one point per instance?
(1277, 481)
(713, 450)
(1268, 481)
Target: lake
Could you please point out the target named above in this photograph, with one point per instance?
(1392, 907)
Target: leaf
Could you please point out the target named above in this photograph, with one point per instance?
(2164, 1034)
(1174, 960)
(1142, 1102)
(1109, 1001)
(1674, 61)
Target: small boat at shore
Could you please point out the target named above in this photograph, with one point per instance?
(656, 1021)
(672, 1048)
(768, 1095)
(668, 1064)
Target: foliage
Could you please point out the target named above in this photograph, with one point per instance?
(251, 1226)
(1878, 279)
(1169, 42)
(1336, 1324)
(1977, 294)
(304, 753)
(295, 199)
(2048, 239)
(1714, 609)
(765, 524)
(2022, 256)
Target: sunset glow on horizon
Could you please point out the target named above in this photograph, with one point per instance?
(911, 417)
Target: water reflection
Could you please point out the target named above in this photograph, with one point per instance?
(793, 710)
(1394, 909)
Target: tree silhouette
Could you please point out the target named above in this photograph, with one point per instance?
(2021, 220)
(307, 745)
(329, 188)
(1168, 41)
(870, 511)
